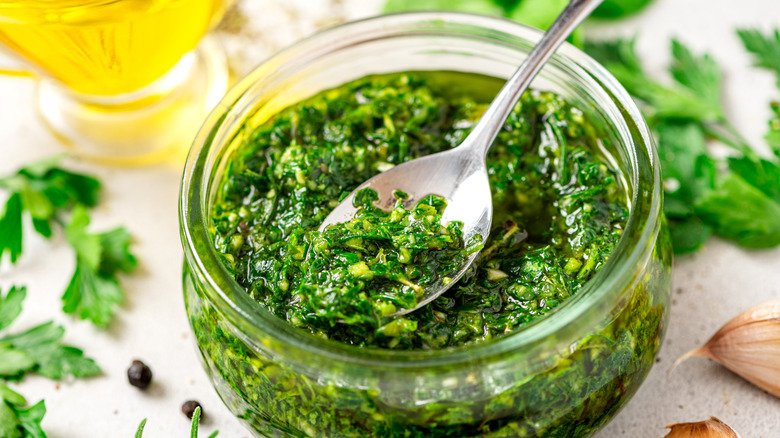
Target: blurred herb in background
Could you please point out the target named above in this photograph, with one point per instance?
(737, 197)
(536, 13)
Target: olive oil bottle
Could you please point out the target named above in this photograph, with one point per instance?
(105, 47)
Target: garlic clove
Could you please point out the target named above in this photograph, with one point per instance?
(712, 428)
(748, 345)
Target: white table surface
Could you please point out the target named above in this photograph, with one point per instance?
(709, 287)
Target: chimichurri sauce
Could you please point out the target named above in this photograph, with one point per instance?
(559, 212)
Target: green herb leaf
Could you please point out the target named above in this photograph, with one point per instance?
(140, 432)
(766, 48)
(11, 305)
(701, 75)
(91, 296)
(16, 419)
(689, 234)
(618, 52)
(693, 101)
(30, 420)
(116, 255)
(760, 173)
(619, 8)
(51, 358)
(44, 191)
(11, 228)
(687, 170)
(94, 292)
(741, 212)
(40, 349)
(14, 362)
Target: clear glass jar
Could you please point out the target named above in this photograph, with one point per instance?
(564, 375)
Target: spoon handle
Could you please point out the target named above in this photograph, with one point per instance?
(486, 130)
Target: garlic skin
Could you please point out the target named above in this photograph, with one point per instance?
(712, 428)
(748, 345)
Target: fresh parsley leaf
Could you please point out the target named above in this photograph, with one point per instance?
(38, 349)
(93, 292)
(765, 48)
(116, 255)
(51, 359)
(689, 234)
(699, 74)
(761, 174)
(44, 191)
(739, 211)
(193, 427)
(507, 5)
(14, 362)
(11, 305)
(617, 52)
(687, 170)
(91, 296)
(11, 228)
(619, 8)
(662, 101)
(17, 420)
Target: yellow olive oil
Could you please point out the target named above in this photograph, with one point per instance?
(105, 47)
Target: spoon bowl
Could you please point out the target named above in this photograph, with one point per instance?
(460, 175)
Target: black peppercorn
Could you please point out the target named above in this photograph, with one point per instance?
(188, 408)
(139, 375)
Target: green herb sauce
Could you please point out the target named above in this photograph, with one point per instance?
(559, 212)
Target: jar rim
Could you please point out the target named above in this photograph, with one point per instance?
(633, 250)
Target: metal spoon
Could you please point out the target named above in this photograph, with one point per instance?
(460, 175)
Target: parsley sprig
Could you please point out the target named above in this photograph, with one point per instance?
(40, 350)
(193, 428)
(737, 198)
(54, 198)
(17, 419)
(37, 349)
(766, 50)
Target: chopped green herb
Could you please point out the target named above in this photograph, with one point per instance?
(359, 272)
(559, 211)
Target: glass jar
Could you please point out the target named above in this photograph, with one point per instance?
(565, 374)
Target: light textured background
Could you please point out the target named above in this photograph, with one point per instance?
(709, 287)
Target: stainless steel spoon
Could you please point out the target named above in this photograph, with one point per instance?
(460, 175)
